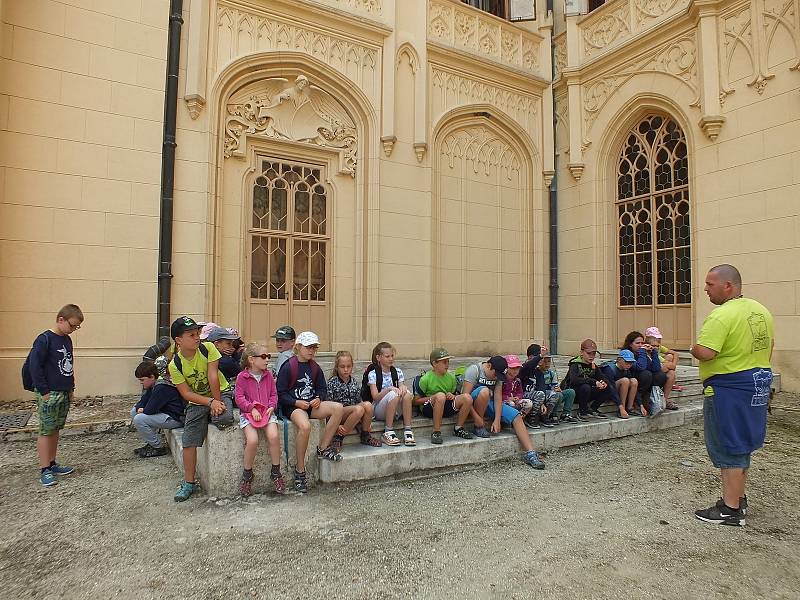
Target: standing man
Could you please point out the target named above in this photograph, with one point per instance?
(734, 349)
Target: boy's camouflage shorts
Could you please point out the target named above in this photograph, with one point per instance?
(52, 412)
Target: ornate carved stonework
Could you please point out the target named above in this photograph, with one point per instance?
(712, 125)
(468, 29)
(195, 104)
(560, 63)
(614, 25)
(576, 170)
(450, 90)
(677, 59)
(548, 177)
(296, 111)
(370, 7)
(646, 11)
(388, 142)
(481, 149)
(419, 149)
(240, 32)
(562, 122)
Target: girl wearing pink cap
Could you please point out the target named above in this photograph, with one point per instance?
(512, 387)
(257, 399)
(669, 362)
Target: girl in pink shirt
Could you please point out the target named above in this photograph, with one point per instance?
(257, 399)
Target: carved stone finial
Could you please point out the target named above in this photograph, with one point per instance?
(576, 169)
(388, 142)
(195, 104)
(548, 177)
(712, 125)
(420, 148)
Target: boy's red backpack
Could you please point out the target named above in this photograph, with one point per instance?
(366, 394)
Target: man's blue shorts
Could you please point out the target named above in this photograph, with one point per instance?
(720, 457)
(506, 417)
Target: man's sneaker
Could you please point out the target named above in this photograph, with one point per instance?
(185, 490)
(61, 469)
(47, 478)
(462, 433)
(532, 459)
(719, 514)
(436, 437)
(300, 484)
(568, 419)
(598, 415)
(138, 451)
(151, 452)
(481, 432)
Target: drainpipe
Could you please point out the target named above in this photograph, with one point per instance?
(553, 218)
(168, 167)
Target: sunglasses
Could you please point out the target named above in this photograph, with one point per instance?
(73, 325)
(262, 356)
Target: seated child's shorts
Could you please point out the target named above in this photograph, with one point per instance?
(506, 417)
(52, 413)
(195, 427)
(380, 407)
(243, 422)
(449, 409)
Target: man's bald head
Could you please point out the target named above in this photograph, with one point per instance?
(728, 274)
(723, 282)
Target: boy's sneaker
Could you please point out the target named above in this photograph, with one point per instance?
(436, 437)
(481, 432)
(583, 418)
(568, 419)
(532, 459)
(549, 423)
(329, 453)
(151, 452)
(300, 484)
(598, 415)
(533, 424)
(719, 514)
(185, 490)
(462, 433)
(61, 469)
(47, 478)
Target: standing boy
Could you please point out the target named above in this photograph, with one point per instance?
(439, 398)
(50, 375)
(195, 372)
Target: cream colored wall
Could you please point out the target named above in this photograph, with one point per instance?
(81, 107)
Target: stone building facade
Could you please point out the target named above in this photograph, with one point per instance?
(382, 169)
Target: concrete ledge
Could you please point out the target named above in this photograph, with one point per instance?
(220, 459)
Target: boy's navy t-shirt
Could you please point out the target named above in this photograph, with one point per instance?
(51, 363)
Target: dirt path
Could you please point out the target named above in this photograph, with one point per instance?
(607, 520)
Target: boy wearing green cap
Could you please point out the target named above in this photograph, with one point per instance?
(437, 397)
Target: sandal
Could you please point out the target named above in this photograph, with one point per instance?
(278, 482)
(408, 438)
(329, 453)
(337, 442)
(368, 440)
(246, 487)
(390, 438)
(671, 406)
(300, 484)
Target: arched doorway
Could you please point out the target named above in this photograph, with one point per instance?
(654, 266)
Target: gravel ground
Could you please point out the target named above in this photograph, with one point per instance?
(607, 520)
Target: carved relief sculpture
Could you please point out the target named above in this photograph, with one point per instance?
(297, 111)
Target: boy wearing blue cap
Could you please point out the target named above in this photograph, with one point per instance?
(626, 383)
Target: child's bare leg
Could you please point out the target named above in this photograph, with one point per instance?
(479, 407)
(522, 433)
(391, 409)
(300, 419)
(351, 415)
(274, 444)
(366, 420)
(250, 446)
(669, 383)
(408, 408)
(332, 411)
(632, 389)
(189, 464)
(437, 404)
(46, 449)
(623, 383)
(463, 404)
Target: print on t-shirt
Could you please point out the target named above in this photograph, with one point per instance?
(65, 363)
(758, 327)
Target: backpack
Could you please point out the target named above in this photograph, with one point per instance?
(27, 378)
(176, 358)
(415, 389)
(459, 373)
(366, 394)
(294, 370)
(657, 403)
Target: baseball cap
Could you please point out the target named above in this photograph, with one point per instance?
(307, 338)
(513, 361)
(220, 333)
(206, 328)
(588, 344)
(533, 350)
(285, 333)
(181, 325)
(627, 356)
(653, 332)
(500, 365)
(439, 354)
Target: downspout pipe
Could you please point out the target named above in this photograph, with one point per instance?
(168, 168)
(553, 216)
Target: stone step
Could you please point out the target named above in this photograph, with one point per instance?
(363, 463)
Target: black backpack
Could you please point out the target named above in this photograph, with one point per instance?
(366, 395)
(176, 359)
(27, 378)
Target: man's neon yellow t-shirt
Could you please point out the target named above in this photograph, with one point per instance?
(195, 371)
(741, 331)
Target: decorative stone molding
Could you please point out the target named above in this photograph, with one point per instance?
(295, 111)
(712, 125)
(450, 90)
(576, 170)
(419, 149)
(388, 142)
(468, 29)
(481, 149)
(240, 31)
(195, 104)
(562, 122)
(548, 178)
(614, 25)
(560, 51)
(369, 7)
(647, 11)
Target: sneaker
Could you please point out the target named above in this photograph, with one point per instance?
(246, 486)
(549, 423)
(436, 437)
(532, 460)
(462, 433)
(185, 490)
(481, 432)
(719, 514)
(61, 469)
(300, 483)
(743, 504)
(329, 453)
(47, 478)
(151, 452)
(598, 415)
(568, 419)
(138, 451)
(408, 438)
(583, 418)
